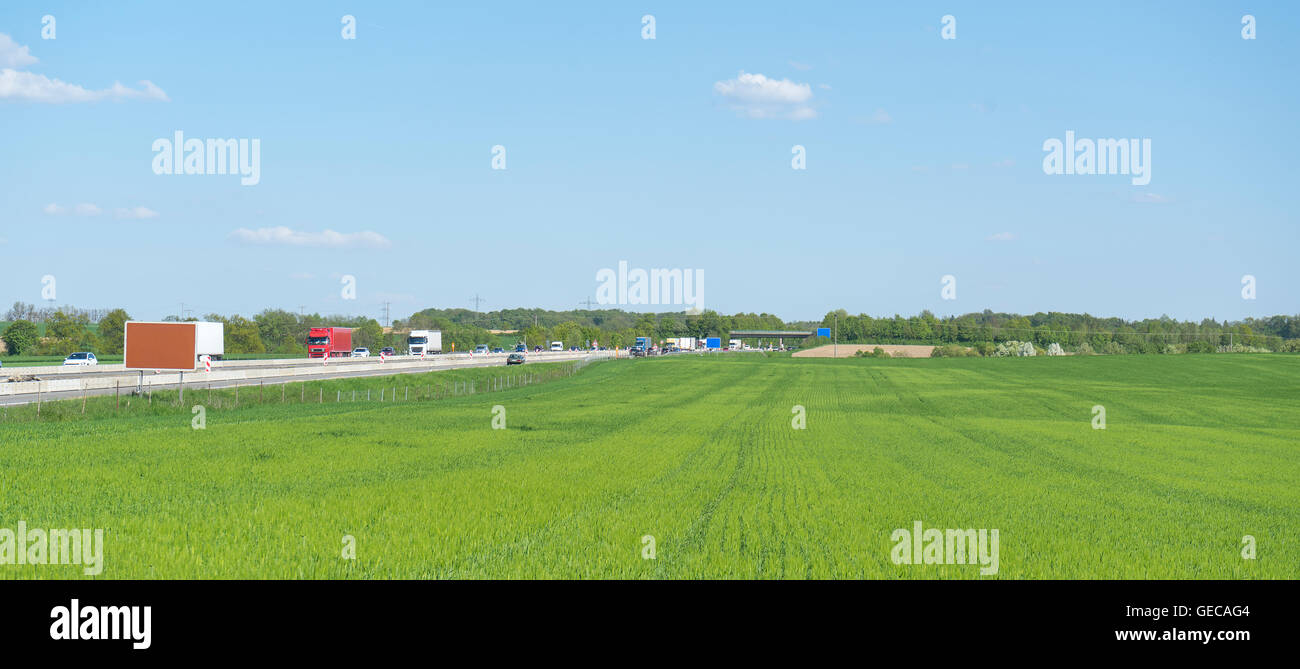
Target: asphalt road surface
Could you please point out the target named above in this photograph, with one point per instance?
(128, 383)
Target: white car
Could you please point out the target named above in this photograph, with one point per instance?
(481, 349)
(80, 360)
(361, 352)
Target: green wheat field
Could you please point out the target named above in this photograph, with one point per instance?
(698, 452)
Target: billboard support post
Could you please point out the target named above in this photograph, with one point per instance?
(181, 385)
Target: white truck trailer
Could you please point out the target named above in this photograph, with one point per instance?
(209, 340)
(425, 342)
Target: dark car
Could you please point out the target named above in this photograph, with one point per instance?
(498, 350)
(520, 348)
(387, 350)
(537, 349)
(515, 359)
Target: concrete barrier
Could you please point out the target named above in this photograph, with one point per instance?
(293, 371)
(118, 368)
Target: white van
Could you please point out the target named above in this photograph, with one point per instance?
(557, 346)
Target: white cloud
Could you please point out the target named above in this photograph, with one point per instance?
(1000, 237)
(18, 86)
(23, 86)
(88, 209)
(135, 213)
(757, 96)
(758, 88)
(329, 238)
(12, 55)
(83, 209)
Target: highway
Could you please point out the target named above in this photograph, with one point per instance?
(250, 373)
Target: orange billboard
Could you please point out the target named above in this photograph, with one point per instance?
(159, 346)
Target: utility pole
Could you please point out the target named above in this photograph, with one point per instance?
(478, 300)
(588, 303)
(301, 313)
(837, 334)
(386, 314)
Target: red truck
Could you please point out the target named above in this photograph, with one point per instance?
(331, 342)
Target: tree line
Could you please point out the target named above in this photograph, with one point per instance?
(59, 331)
(1073, 332)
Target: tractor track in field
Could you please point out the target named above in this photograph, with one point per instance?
(695, 533)
(614, 501)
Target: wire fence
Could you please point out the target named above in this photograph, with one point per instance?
(125, 401)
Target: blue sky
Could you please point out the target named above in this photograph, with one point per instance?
(924, 155)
